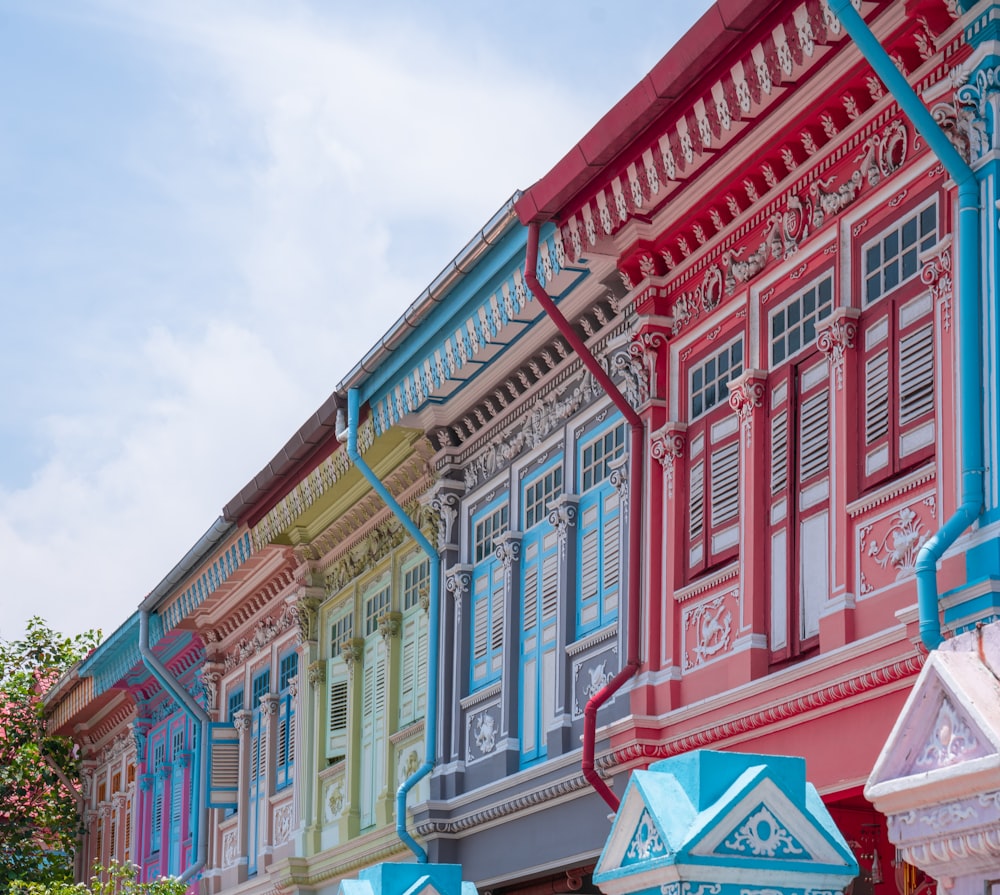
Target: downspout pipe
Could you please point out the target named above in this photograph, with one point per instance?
(200, 716)
(350, 436)
(636, 449)
(970, 350)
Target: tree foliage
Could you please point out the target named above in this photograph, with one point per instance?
(39, 819)
(118, 879)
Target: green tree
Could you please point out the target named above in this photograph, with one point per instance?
(39, 820)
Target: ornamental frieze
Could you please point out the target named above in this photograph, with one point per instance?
(366, 554)
(536, 423)
(264, 632)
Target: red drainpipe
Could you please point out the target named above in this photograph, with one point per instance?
(632, 661)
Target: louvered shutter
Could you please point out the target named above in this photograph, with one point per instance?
(611, 558)
(779, 452)
(223, 765)
(696, 515)
(814, 436)
(723, 536)
(496, 622)
(550, 579)
(337, 708)
(916, 392)
(372, 728)
(725, 471)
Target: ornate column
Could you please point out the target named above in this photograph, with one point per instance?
(667, 445)
(445, 498)
(243, 722)
(308, 722)
(936, 274)
(563, 518)
(508, 551)
(837, 338)
(269, 729)
(746, 398)
(307, 790)
(458, 585)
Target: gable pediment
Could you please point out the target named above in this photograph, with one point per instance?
(946, 742)
(707, 817)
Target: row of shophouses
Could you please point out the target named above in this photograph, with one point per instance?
(693, 446)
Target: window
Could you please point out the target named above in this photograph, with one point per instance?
(793, 325)
(235, 703)
(539, 609)
(376, 606)
(892, 259)
(487, 595)
(413, 653)
(798, 402)
(897, 350)
(713, 460)
(488, 526)
(288, 670)
(539, 494)
(341, 632)
(261, 686)
(599, 530)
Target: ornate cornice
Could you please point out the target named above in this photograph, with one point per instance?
(696, 133)
(287, 510)
(501, 414)
(249, 609)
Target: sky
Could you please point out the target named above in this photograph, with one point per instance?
(210, 210)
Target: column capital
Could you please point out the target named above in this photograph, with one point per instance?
(746, 394)
(834, 336)
(667, 445)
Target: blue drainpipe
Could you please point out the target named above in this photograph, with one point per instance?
(969, 315)
(198, 714)
(351, 437)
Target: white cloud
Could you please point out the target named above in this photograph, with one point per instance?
(293, 181)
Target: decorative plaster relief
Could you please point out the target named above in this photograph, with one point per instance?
(646, 842)
(482, 729)
(763, 835)
(283, 818)
(591, 674)
(230, 849)
(887, 546)
(333, 799)
(408, 765)
(708, 628)
(952, 741)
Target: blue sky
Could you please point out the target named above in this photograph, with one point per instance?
(209, 210)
